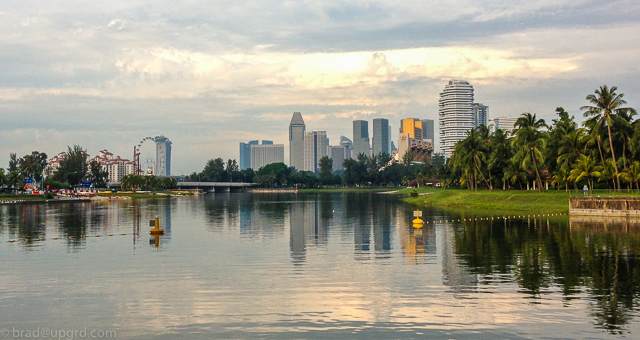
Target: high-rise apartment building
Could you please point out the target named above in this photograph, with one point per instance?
(380, 136)
(315, 147)
(427, 129)
(338, 154)
(245, 154)
(360, 138)
(506, 124)
(163, 156)
(412, 126)
(296, 141)
(265, 154)
(480, 114)
(458, 114)
(348, 144)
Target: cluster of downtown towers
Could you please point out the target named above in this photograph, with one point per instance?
(457, 114)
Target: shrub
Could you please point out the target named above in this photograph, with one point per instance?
(414, 193)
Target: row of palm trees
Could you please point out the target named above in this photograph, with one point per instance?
(606, 149)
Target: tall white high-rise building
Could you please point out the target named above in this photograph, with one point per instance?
(504, 123)
(458, 114)
(163, 156)
(315, 147)
(264, 154)
(480, 114)
(296, 141)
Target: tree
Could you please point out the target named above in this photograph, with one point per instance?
(131, 181)
(213, 170)
(13, 162)
(606, 105)
(168, 183)
(570, 148)
(530, 142)
(3, 178)
(97, 174)
(585, 168)
(13, 180)
(632, 174)
(73, 168)
(273, 174)
(326, 169)
(232, 168)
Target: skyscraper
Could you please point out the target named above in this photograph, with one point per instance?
(480, 114)
(456, 114)
(380, 136)
(348, 144)
(315, 147)
(163, 156)
(264, 154)
(360, 138)
(245, 154)
(296, 141)
(412, 126)
(427, 129)
(337, 154)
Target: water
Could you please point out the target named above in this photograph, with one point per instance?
(312, 266)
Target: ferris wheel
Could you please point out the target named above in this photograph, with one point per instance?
(136, 157)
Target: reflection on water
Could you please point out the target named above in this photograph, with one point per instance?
(307, 265)
(596, 257)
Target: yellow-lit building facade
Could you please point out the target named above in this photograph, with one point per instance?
(413, 127)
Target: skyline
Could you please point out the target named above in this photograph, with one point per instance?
(212, 75)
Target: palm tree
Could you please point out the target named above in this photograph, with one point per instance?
(606, 105)
(562, 177)
(570, 148)
(585, 168)
(513, 173)
(471, 155)
(632, 174)
(624, 130)
(13, 180)
(501, 152)
(3, 178)
(530, 142)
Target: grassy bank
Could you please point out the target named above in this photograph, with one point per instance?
(530, 201)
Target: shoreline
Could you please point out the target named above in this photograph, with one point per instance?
(550, 201)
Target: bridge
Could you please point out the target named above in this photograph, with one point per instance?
(215, 186)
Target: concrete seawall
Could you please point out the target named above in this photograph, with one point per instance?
(605, 206)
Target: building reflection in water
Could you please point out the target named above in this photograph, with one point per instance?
(306, 228)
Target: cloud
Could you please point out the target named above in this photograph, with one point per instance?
(210, 74)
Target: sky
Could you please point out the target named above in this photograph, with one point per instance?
(211, 74)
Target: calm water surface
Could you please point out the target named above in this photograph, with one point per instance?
(313, 266)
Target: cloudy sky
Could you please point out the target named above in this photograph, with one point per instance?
(210, 74)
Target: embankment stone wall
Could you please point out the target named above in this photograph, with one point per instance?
(605, 206)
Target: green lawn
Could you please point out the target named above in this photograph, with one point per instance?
(549, 202)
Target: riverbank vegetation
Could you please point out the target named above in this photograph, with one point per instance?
(604, 152)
